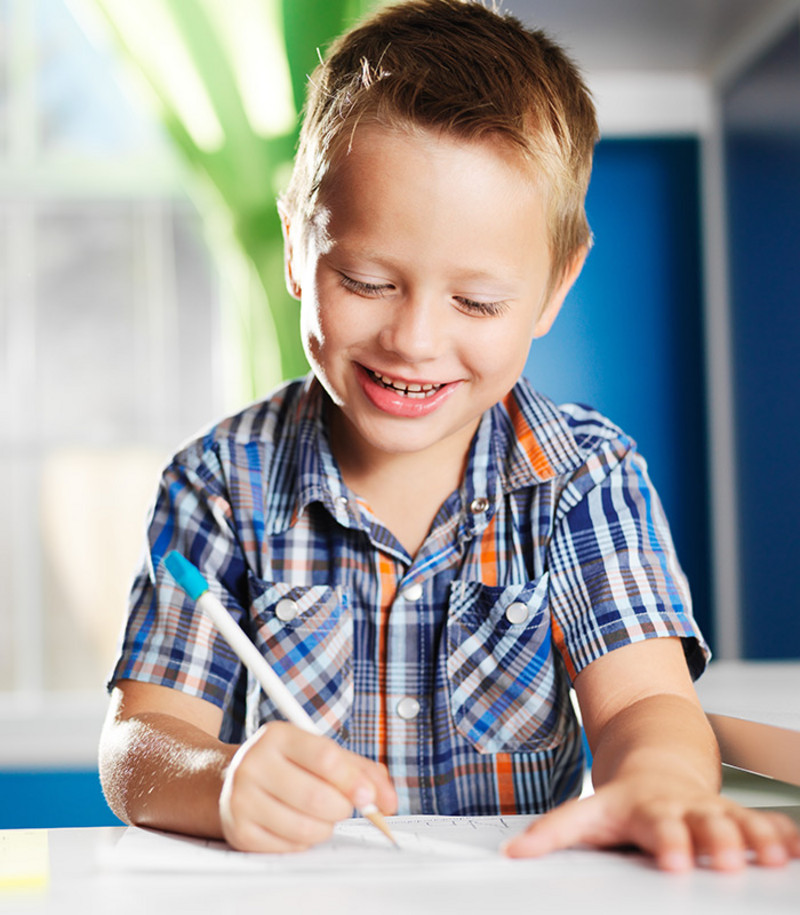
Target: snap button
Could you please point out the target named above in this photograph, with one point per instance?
(286, 609)
(517, 612)
(341, 501)
(408, 708)
(413, 591)
(479, 505)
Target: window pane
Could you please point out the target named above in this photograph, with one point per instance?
(93, 507)
(86, 285)
(4, 76)
(198, 320)
(82, 111)
(6, 343)
(7, 589)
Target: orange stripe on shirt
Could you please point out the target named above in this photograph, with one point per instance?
(561, 645)
(504, 774)
(387, 584)
(488, 555)
(528, 441)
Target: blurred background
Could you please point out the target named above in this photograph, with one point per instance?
(141, 149)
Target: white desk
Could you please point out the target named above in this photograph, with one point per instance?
(582, 882)
(754, 708)
(742, 700)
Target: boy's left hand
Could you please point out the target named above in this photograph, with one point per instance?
(678, 827)
(656, 773)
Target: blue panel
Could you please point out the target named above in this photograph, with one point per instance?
(762, 117)
(33, 799)
(629, 340)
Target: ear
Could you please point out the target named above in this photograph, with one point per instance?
(559, 293)
(289, 264)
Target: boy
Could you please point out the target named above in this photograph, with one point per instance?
(427, 551)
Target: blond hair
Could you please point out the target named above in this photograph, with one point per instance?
(470, 72)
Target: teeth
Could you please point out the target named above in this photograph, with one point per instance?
(412, 390)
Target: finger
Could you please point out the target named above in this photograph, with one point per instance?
(269, 803)
(570, 824)
(271, 825)
(316, 755)
(305, 792)
(271, 769)
(668, 840)
(324, 759)
(771, 836)
(789, 831)
(378, 774)
(718, 837)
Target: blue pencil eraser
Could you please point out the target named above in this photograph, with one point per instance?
(187, 575)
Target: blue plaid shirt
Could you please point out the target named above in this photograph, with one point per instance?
(454, 667)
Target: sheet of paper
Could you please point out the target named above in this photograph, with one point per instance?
(24, 859)
(356, 847)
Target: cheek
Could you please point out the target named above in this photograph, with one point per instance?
(501, 351)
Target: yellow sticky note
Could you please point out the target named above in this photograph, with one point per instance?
(24, 859)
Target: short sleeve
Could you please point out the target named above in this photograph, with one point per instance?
(615, 578)
(166, 640)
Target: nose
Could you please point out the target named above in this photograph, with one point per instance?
(414, 329)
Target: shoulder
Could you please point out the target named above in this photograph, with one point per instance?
(262, 427)
(560, 441)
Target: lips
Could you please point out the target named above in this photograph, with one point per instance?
(403, 399)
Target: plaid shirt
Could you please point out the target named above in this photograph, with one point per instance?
(453, 667)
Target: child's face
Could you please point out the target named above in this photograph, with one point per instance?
(421, 295)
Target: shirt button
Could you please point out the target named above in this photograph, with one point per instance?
(517, 612)
(413, 592)
(286, 609)
(408, 708)
(341, 501)
(479, 505)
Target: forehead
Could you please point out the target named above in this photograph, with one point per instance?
(429, 199)
(377, 167)
(371, 132)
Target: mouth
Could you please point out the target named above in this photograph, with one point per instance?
(411, 389)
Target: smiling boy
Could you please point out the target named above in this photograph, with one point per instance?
(428, 551)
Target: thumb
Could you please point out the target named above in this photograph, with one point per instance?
(570, 824)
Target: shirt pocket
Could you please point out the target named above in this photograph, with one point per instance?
(306, 635)
(507, 694)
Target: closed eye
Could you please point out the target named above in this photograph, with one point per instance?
(469, 306)
(370, 290)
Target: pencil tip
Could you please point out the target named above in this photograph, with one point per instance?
(377, 820)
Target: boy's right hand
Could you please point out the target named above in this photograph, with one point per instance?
(285, 789)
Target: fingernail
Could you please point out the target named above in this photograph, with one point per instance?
(675, 861)
(364, 795)
(775, 855)
(730, 860)
(524, 846)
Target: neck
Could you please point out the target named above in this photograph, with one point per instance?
(404, 490)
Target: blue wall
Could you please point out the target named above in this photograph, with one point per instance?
(629, 340)
(33, 799)
(762, 118)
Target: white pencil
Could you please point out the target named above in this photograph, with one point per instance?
(194, 584)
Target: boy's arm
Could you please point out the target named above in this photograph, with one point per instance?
(656, 772)
(162, 765)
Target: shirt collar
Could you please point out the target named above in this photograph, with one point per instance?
(522, 441)
(318, 476)
(303, 468)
